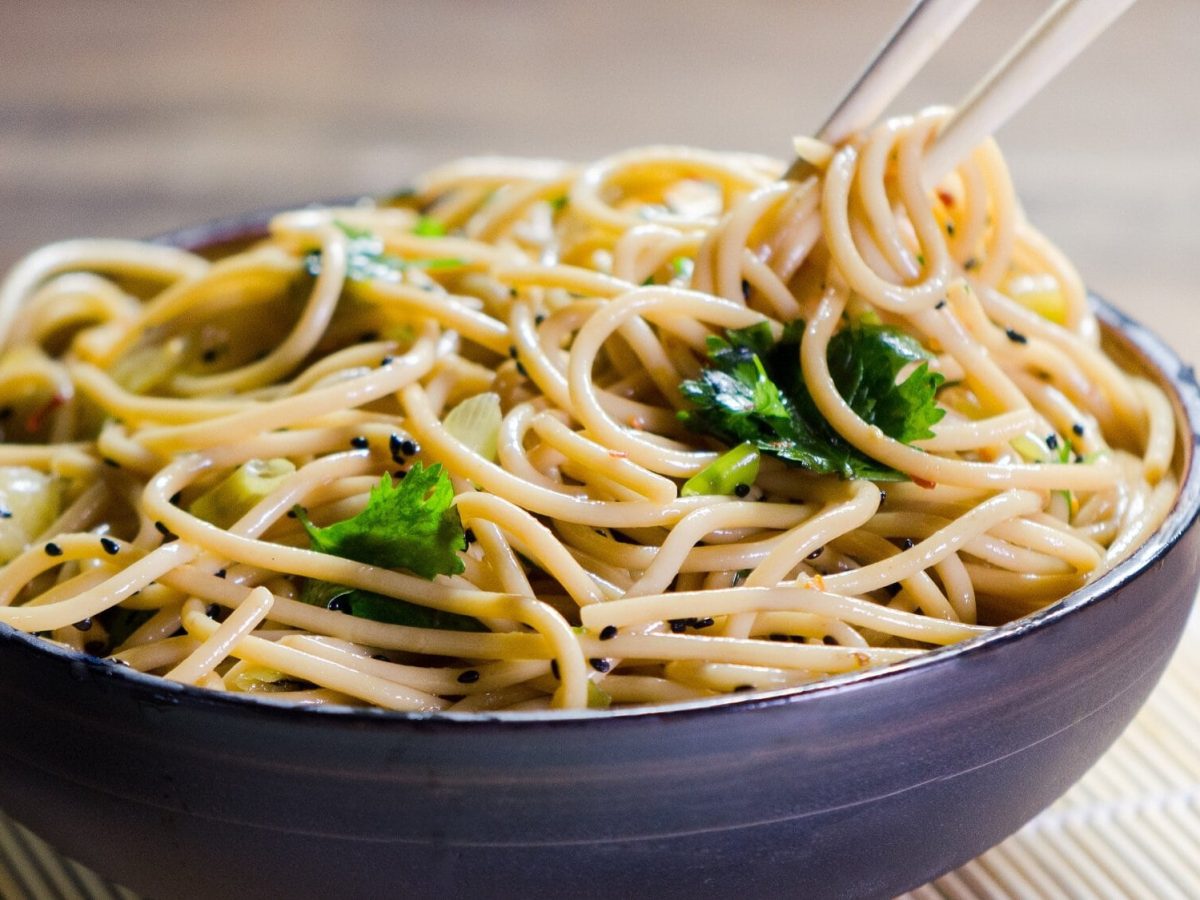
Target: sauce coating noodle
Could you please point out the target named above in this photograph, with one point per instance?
(138, 380)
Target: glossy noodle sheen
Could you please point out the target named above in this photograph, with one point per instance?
(172, 426)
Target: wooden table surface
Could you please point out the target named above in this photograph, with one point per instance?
(124, 118)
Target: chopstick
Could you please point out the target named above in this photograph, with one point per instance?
(915, 39)
(1055, 39)
(1043, 51)
(912, 42)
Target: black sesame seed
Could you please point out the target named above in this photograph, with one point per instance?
(340, 603)
(5, 513)
(554, 667)
(469, 676)
(971, 263)
(512, 351)
(941, 304)
(210, 355)
(678, 626)
(703, 623)
(109, 546)
(1052, 441)
(359, 442)
(291, 513)
(409, 447)
(521, 369)
(394, 445)
(539, 318)
(742, 489)
(883, 496)
(1077, 429)
(608, 632)
(469, 536)
(742, 688)
(109, 461)
(399, 474)
(84, 624)
(829, 640)
(1015, 336)
(599, 664)
(815, 553)
(212, 610)
(908, 543)
(95, 648)
(745, 289)
(52, 549)
(387, 360)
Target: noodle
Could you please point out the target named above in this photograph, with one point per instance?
(535, 332)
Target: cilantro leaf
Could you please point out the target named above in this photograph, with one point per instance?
(866, 359)
(753, 390)
(410, 525)
(367, 261)
(378, 608)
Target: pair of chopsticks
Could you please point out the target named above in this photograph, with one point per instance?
(1053, 41)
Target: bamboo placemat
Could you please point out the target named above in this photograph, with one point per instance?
(1130, 828)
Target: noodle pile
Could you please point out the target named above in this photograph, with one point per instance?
(139, 383)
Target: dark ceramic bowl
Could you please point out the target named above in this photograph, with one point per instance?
(864, 785)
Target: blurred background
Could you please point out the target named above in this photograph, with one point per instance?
(125, 118)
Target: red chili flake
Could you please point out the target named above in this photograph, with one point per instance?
(922, 483)
(38, 416)
(637, 423)
(947, 198)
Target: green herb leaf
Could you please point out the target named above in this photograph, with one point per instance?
(367, 261)
(410, 525)
(753, 391)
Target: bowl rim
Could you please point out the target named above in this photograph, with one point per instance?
(1151, 350)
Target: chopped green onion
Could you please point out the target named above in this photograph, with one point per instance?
(597, 697)
(476, 423)
(237, 494)
(1031, 450)
(29, 501)
(723, 476)
(427, 226)
(682, 266)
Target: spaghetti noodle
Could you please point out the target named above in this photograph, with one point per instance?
(697, 430)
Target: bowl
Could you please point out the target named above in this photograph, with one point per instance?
(860, 786)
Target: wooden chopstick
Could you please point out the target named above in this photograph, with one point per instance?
(912, 42)
(916, 38)
(1043, 51)
(1056, 39)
